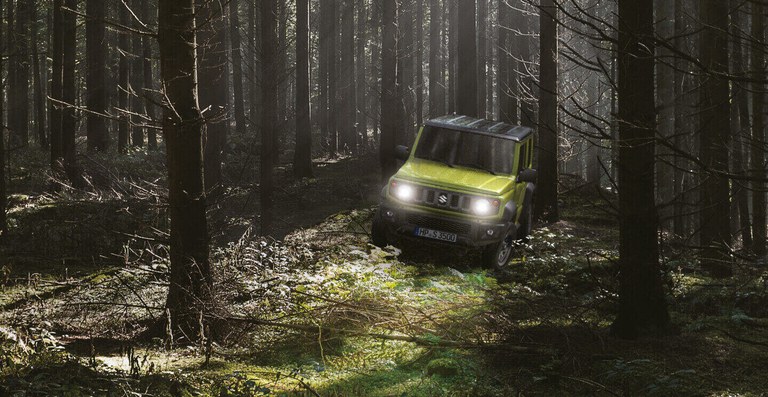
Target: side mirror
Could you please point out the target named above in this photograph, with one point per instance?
(402, 152)
(528, 176)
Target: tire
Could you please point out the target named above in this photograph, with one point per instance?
(497, 256)
(378, 234)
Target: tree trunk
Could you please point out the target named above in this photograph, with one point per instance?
(419, 63)
(18, 74)
(740, 113)
(546, 207)
(96, 58)
(665, 80)
(40, 82)
(3, 194)
(507, 75)
(453, 38)
(191, 283)
(269, 117)
(55, 108)
(323, 57)
(360, 98)
(347, 87)
(237, 66)
(436, 100)
(715, 121)
(69, 93)
(482, 61)
(405, 24)
(758, 131)
(642, 308)
(253, 75)
(212, 72)
(124, 128)
(137, 80)
(679, 164)
(524, 42)
(302, 162)
(332, 57)
(149, 97)
(388, 89)
(466, 91)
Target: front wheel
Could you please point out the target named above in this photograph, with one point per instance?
(378, 234)
(497, 256)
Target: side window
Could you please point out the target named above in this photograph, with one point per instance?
(529, 161)
(522, 160)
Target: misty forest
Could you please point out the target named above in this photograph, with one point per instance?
(383, 198)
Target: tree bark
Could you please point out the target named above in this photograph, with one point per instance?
(436, 100)
(715, 121)
(96, 59)
(149, 96)
(524, 43)
(42, 136)
(758, 131)
(453, 38)
(55, 108)
(18, 74)
(507, 75)
(212, 72)
(137, 80)
(302, 162)
(482, 49)
(69, 93)
(191, 282)
(642, 308)
(124, 127)
(546, 207)
(466, 90)
(332, 56)
(360, 99)
(419, 63)
(237, 66)
(254, 38)
(269, 116)
(388, 89)
(3, 194)
(347, 86)
(740, 113)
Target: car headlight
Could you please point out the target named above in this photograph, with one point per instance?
(481, 206)
(402, 191)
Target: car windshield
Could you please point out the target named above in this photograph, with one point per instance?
(466, 149)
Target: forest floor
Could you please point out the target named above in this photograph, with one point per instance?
(321, 312)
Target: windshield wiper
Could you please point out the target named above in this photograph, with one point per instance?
(477, 167)
(446, 162)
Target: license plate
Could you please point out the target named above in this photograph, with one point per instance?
(435, 234)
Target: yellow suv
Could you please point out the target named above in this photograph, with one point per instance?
(466, 182)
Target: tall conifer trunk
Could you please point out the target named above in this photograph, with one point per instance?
(546, 207)
(642, 306)
(302, 162)
(191, 283)
(96, 59)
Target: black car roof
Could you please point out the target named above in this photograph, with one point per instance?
(481, 126)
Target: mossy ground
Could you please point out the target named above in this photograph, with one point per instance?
(340, 308)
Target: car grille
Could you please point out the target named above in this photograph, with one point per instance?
(439, 224)
(442, 199)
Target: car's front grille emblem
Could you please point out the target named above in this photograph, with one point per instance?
(442, 199)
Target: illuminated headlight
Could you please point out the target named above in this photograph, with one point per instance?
(483, 206)
(402, 191)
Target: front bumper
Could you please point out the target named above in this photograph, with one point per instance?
(401, 221)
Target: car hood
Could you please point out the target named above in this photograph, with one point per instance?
(454, 178)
